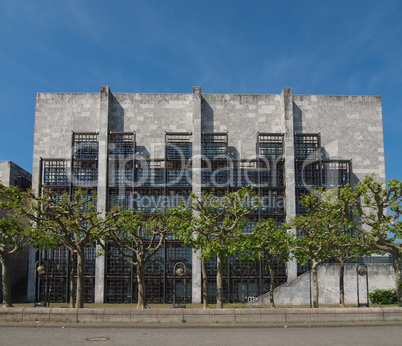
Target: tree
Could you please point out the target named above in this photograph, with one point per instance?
(70, 221)
(314, 239)
(216, 227)
(270, 243)
(13, 235)
(136, 237)
(384, 231)
(346, 243)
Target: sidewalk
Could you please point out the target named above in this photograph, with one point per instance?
(196, 315)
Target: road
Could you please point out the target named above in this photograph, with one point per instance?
(222, 335)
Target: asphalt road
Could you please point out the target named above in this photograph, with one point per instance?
(222, 335)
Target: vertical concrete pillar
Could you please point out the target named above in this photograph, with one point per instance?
(105, 94)
(196, 184)
(290, 193)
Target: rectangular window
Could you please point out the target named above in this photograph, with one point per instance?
(121, 145)
(270, 146)
(307, 146)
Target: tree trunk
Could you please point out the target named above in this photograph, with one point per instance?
(142, 294)
(315, 281)
(204, 285)
(72, 279)
(219, 283)
(271, 281)
(80, 278)
(7, 300)
(397, 263)
(341, 282)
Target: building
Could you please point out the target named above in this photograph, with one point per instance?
(148, 151)
(13, 175)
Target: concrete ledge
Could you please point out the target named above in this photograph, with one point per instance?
(63, 315)
(90, 315)
(298, 315)
(222, 315)
(11, 314)
(197, 315)
(392, 314)
(144, 316)
(230, 315)
(117, 315)
(36, 314)
(347, 315)
(170, 315)
(273, 315)
(247, 315)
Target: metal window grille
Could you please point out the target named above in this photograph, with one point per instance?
(116, 265)
(177, 197)
(273, 201)
(178, 151)
(307, 146)
(272, 174)
(150, 173)
(85, 145)
(335, 173)
(214, 145)
(179, 177)
(300, 209)
(121, 173)
(243, 268)
(122, 198)
(155, 265)
(121, 145)
(214, 173)
(243, 173)
(149, 200)
(55, 172)
(270, 146)
(178, 145)
(119, 290)
(307, 173)
(59, 267)
(85, 173)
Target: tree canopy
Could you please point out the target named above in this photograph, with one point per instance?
(13, 234)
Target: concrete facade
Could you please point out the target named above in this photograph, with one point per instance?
(350, 128)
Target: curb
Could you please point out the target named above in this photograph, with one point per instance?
(230, 315)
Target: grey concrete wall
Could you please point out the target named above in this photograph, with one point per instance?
(350, 127)
(56, 115)
(150, 115)
(297, 292)
(5, 168)
(243, 116)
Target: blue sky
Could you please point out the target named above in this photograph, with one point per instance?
(316, 47)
